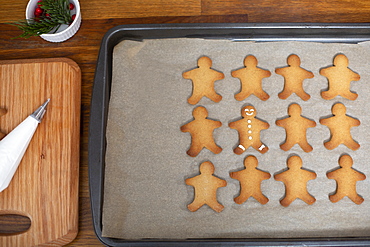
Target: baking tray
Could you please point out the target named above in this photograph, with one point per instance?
(315, 32)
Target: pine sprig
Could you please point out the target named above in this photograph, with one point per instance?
(56, 13)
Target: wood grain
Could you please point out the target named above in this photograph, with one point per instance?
(45, 186)
(98, 16)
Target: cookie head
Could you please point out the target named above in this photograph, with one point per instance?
(294, 162)
(249, 111)
(200, 112)
(250, 61)
(294, 109)
(341, 60)
(338, 109)
(346, 161)
(204, 62)
(251, 161)
(294, 60)
(207, 168)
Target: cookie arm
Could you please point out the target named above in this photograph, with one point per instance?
(310, 123)
(217, 124)
(279, 177)
(234, 125)
(324, 121)
(265, 125)
(309, 74)
(355, 122)
(360, 176)
(264, 175)
(187, 74)
(331, 175)
(280, 123)
(185, 128)
(189, 181)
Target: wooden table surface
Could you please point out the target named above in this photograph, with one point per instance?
(98, 16)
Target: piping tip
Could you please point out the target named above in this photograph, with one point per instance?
(39, 113)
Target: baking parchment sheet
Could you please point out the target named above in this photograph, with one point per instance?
(145, 195)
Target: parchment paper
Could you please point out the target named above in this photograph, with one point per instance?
(145, 195)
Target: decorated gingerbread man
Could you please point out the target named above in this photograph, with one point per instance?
(294, 76)
(340, 126)
(250, 181)
(251, 79)
(203, 79)
(201, 131)
(346, 178)
(295, 180)
(205, 187)
(249, 128)
(339, 78)
(295, 127)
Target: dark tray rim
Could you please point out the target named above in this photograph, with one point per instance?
(318, 32)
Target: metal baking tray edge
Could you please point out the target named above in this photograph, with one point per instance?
(264, 32)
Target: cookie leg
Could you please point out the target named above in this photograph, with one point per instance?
(262, 95)
(194, 99)
(336, 197)
(284, 94)
(287, 145)
(242, 95)
(287, 200)
(352, 144)
(214, 96)
(328, 95)
(195, 205)
(240, 149)
(305, 147)
(242, 198)
(331, 144)
(303, 95)
(356, 199)
(214, 148)
(216, 206)
(349, 95)
(261, 198)
(308, 199)
(260, 147)
(194, 149)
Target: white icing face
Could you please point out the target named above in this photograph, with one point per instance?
(249, 111)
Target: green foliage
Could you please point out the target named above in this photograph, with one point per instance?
(56, 13)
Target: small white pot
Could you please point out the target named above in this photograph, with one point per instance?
(65, 32)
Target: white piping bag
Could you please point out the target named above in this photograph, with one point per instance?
(14, 145)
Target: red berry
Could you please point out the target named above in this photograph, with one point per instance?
(39, 3)
(71, 6)
(73, 17)
(47, 15)
(37, 14)
(38, 10)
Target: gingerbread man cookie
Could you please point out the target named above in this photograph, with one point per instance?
(295, 180)
(295, 128)
(294, 76)
(346, 178)
(251, 79)
(205, 188)
(250, 181)
(339, 78)
(249, 128)
(340, 126)
(201, 131)
(203, 79)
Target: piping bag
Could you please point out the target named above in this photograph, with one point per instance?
(14, 145)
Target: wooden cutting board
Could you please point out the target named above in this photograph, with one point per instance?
(45, 186)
